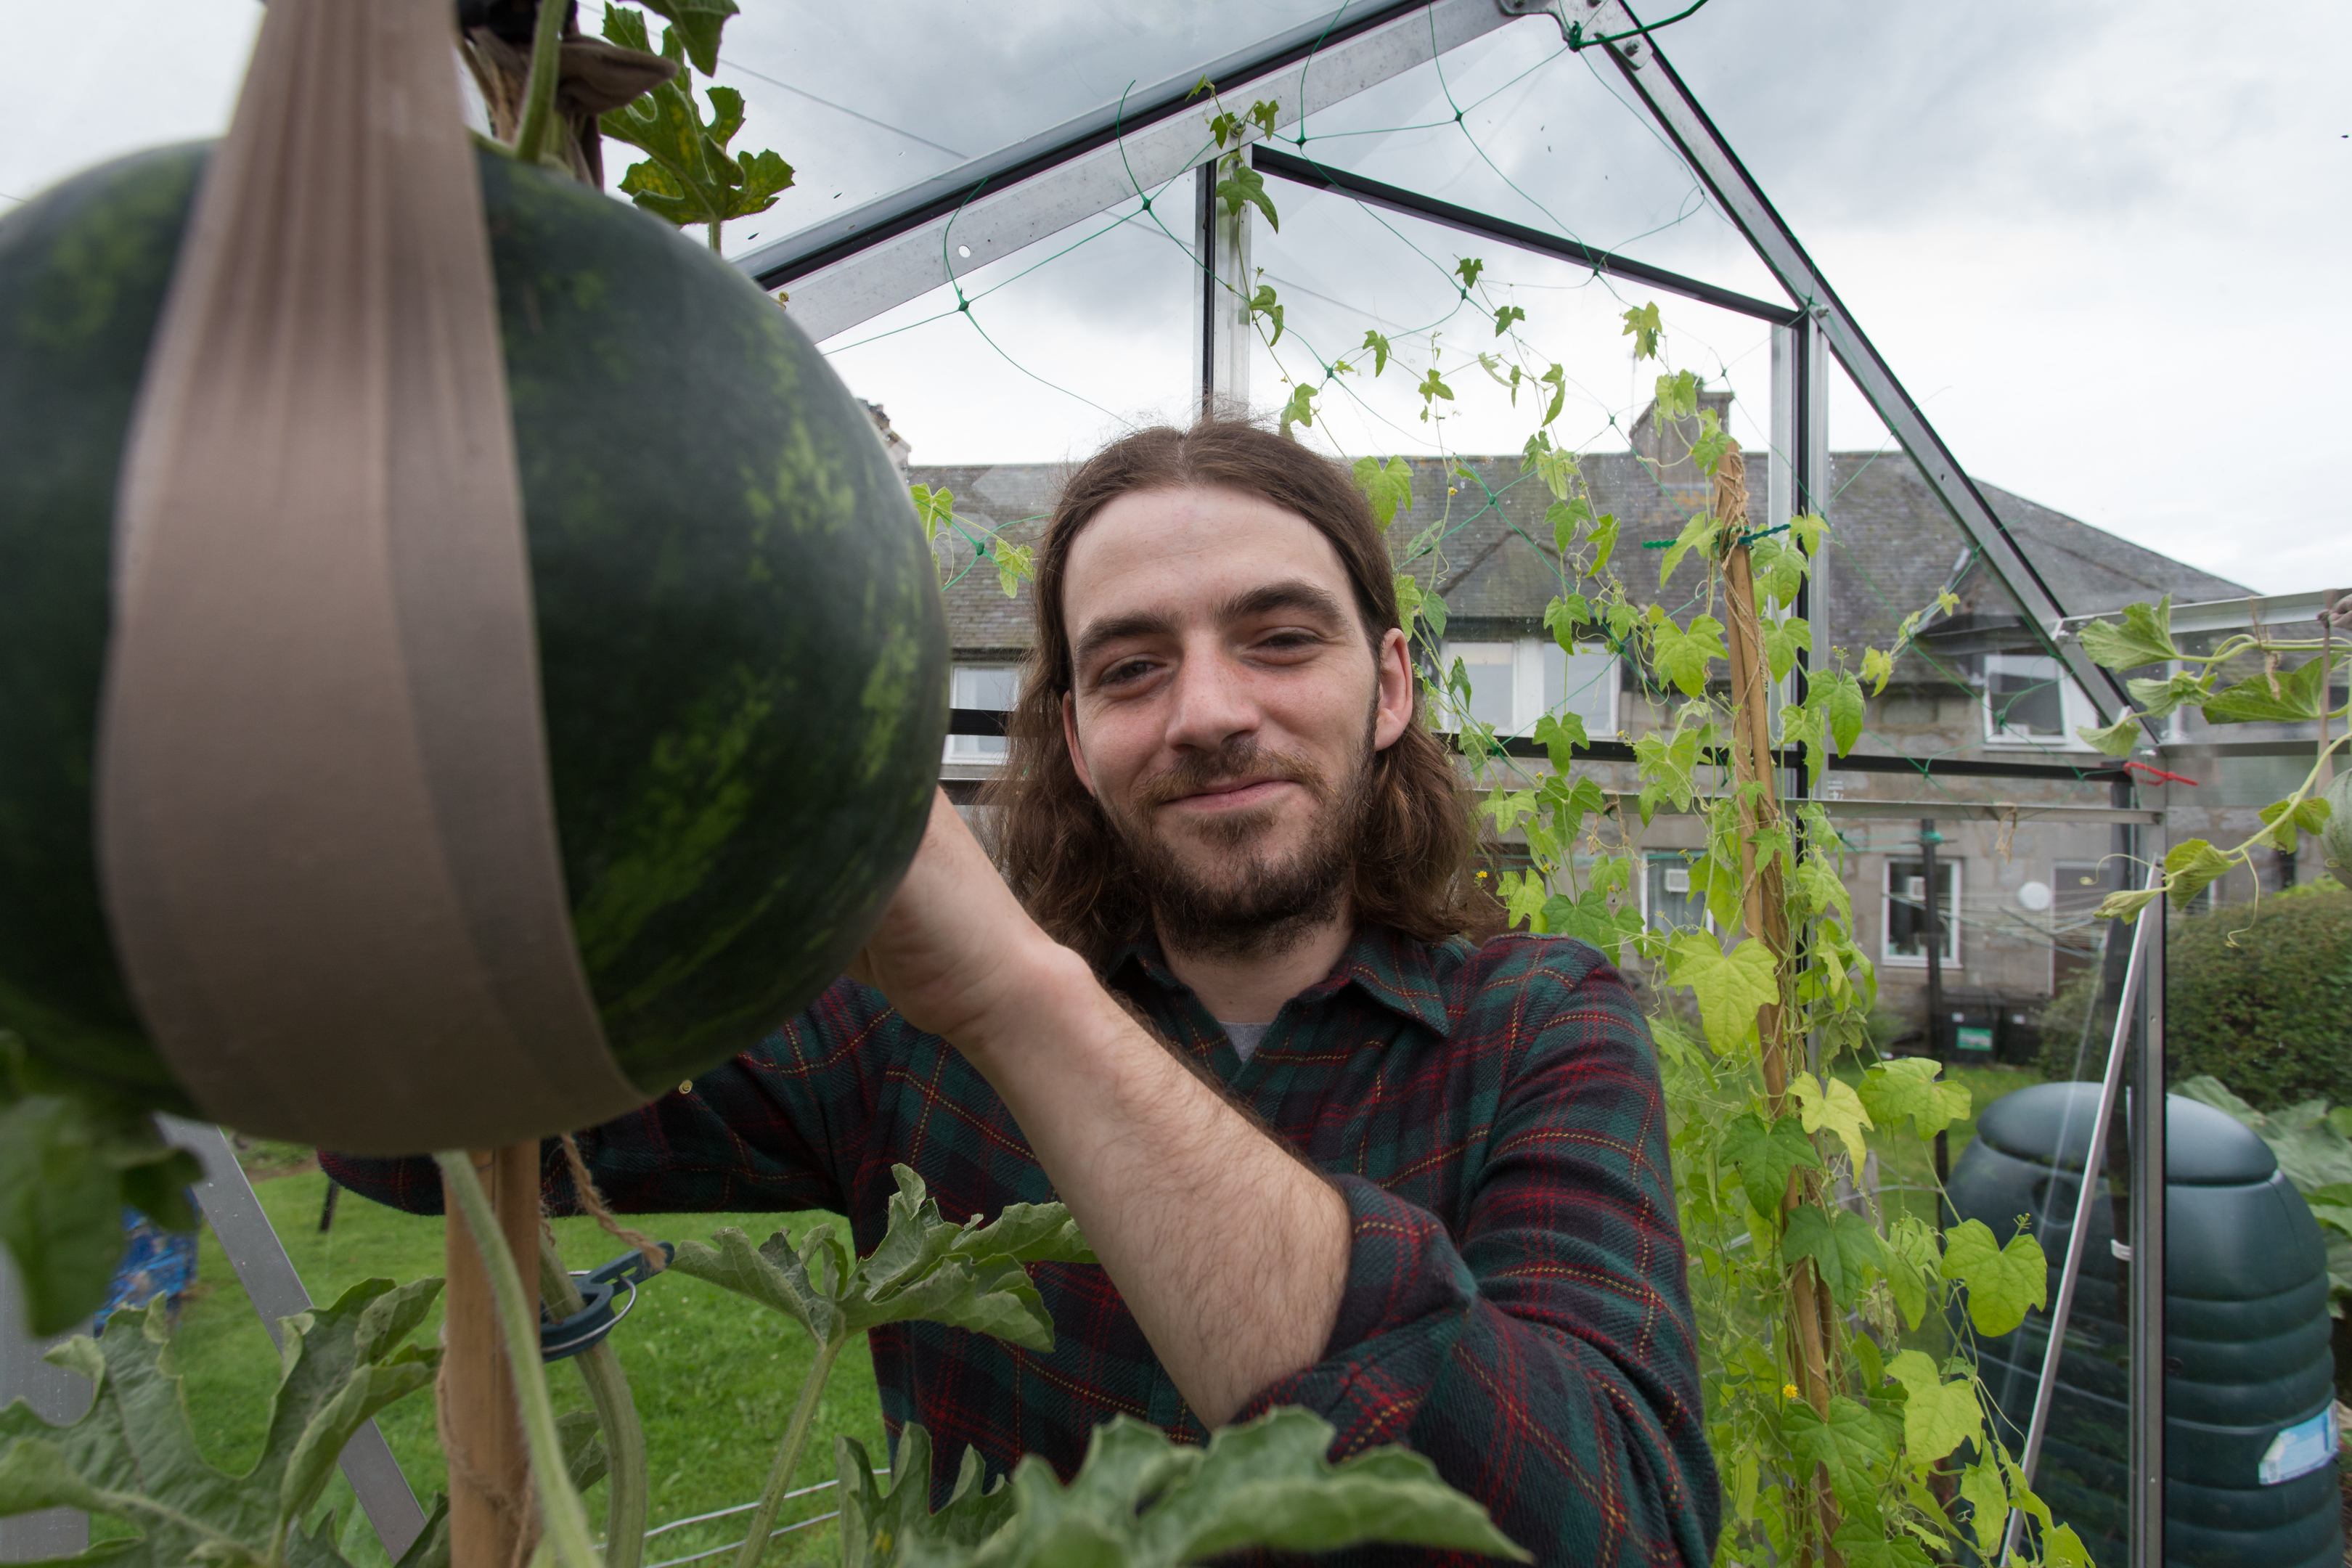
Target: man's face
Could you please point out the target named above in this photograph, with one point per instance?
(1225, 702)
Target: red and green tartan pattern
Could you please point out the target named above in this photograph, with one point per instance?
(1516, 1306)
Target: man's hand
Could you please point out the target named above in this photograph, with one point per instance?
(1230, 1252)
(955, 952)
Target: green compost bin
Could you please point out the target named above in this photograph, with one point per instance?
(2250, 1448)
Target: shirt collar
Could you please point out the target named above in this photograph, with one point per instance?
(1390, 967)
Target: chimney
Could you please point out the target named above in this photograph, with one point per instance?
(892, 442)
(1666, 445)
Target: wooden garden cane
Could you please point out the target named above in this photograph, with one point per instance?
(493, 1516)
(1766, 916)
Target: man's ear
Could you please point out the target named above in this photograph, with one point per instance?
(1395, 710)
(1070, 739)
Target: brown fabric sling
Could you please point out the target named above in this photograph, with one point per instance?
(324, 823)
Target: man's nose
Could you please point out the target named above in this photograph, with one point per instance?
(1213, 703)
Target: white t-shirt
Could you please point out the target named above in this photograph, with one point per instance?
(1245, 1036)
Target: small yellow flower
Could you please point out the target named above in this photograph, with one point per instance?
(1788, 1390)
(1454, 490)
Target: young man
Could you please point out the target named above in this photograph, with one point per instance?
(1226, 999)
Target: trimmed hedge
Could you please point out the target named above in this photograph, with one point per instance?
(2269, 1013)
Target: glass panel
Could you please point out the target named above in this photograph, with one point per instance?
(1668, 903)
(1488, 665)
(1907, 912)
(1585, 684)
(989, 686)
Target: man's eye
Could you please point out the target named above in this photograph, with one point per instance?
(1124, 671)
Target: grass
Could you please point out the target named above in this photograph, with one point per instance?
(714, 1376)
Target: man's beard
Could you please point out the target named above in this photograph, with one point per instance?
(1258, 907)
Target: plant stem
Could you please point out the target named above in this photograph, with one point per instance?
(714, 240)
(628, 1485)
(788, 1458)
(566, 1518)
(539, 96)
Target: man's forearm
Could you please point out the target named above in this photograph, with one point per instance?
(1230, 1252)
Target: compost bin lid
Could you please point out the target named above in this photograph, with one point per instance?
(2203, 1147)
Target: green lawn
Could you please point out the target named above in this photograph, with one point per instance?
(714, 1376)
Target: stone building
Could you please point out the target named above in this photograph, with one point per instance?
(1972, 686)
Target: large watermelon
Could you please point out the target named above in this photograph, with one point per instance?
(741, 650)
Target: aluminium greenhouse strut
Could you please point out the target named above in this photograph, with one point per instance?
(1268, 160)
(854, 267)
(1702, 148)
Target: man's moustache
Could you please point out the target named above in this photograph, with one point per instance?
(1197, 774)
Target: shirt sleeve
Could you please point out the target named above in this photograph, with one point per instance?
(777, 1127)
(1544, 1359)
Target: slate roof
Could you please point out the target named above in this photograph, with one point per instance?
(1894, 547)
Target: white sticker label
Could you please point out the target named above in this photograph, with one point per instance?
(2306, 1446)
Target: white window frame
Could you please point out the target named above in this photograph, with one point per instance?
(1525, 657)
(1953, 952)
(2074, 709)
(961, 679)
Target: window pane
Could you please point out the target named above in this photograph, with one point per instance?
(1586, 682)
(1489, 668)
(1673, 904)
(1906, 909)
(2026, 696)
(988, 687)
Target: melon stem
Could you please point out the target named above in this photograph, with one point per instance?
(539, 96)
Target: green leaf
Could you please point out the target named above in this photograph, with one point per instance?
(1764, 1153)
(1431, 387)
(1603, 540)
(2125, 903)
(1588, 918)
(1244, 187)
(1141, 1502)
(1381, 352)
(1388, 486)
(1877, 668)
(1677, 396)
(1641, 326)
(1908, 1086)
(934, 507)
(1731, 987)
(690, 177)
(1567, 516)
(2155, 699)
(881, 1528)
(1782, 639)
(1937, 1416)
(924, 1269)
(67, 1166)
(1015, 565)
(1843, 1246)
(133, 1455)
(698, 24)
(1559, 734)
(2117, 740)
(1506, 316)
(1699, 534)
(2003, 1283)
(2284, 819)
(1300, 409)
(1850, 1445)
(1987, 1494)
(1868, 1543)
(2189, 866)
(2252, 701)
(1838, 696)
(1831, 1105)
(1683, 657)
(1467, 269)
(1911, 1256)
(1266, 111)
(2143, 637)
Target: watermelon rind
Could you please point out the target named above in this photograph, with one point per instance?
(742, 652)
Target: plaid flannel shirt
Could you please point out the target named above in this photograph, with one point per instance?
(1515, 1308)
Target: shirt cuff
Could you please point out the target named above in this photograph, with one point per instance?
(1407, 1298)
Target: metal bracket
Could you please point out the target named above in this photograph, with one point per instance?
(561, 1339)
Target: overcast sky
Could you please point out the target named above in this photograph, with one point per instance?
(2103, 244)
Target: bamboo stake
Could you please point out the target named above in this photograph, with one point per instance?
(492, 1510)
(1811, 1319)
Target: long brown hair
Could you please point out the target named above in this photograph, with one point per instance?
(1411, 867)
